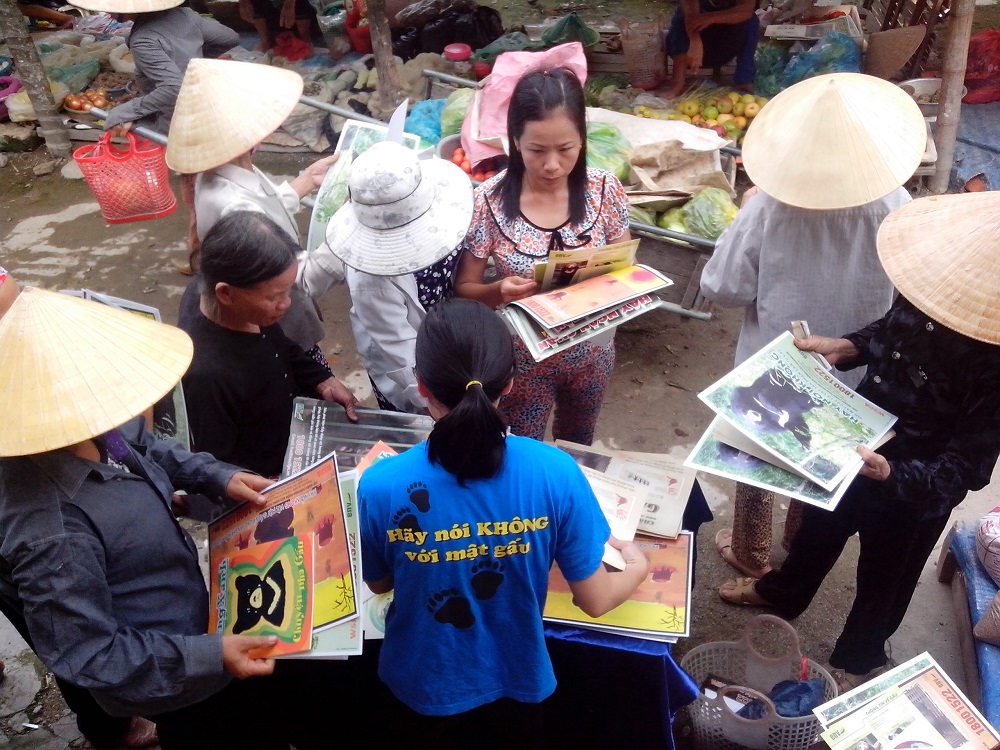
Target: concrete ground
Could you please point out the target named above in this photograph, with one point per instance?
(52, 235)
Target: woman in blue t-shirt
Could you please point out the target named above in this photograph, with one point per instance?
(464, 528)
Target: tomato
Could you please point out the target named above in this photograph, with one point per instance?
(491, 173)
(466, 167)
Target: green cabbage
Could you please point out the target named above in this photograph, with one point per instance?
(608, 149)
(673, 220)
(709, 213)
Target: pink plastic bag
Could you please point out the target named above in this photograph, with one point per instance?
(484, 131)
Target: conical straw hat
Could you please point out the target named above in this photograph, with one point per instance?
(890, 50)
(943, 254)
(73, 369)
(224, 109)
(126, 6)
(835, 141)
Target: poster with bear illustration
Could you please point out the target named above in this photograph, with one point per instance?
(309, 502)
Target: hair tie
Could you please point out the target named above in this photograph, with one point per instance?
(472, 383)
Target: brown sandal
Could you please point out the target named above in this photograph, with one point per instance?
(724, 543)
(742, 592)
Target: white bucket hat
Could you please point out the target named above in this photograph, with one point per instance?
(404, 213)
(126, 6)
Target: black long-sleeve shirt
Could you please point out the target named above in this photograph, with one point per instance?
(240, 389)
(945, 389)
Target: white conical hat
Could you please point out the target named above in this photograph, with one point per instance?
(835, 141)
(126, 6)
(73, 369)
(224, 109)
(943, 254)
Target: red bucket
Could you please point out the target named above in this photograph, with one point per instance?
(130, 184)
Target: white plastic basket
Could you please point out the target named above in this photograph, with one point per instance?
(717, 727)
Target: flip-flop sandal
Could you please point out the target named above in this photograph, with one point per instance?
(741, 591)
(724, 543)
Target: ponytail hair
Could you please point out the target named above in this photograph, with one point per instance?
(465, 359)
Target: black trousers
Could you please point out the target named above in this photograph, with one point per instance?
(895, 544)
(94, 723)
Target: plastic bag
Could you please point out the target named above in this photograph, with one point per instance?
(419, 13)
(76, 77)
(455, 108)
(988, 627)
(570, 28)
(19, 107)
(515, 41)
(770, 60)
(709, 213)
(477, 28)
(791, 699)
(608, 149)
(833, 53)
(290, 47)
(425, 119)
(988, 544)
(982, 76)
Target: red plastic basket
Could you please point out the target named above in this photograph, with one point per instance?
(130, 184)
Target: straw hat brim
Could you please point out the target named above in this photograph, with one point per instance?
(943, 254)
(835, 141)
(73, 369)
(416, 245)
(224, 109)
(126, 6)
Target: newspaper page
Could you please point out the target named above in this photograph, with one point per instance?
(609, 290)
(715, 457)
(621, 503)
(889, 721)
(343, 639)
(542, 344)
(565, 267)
(659, 609)
(668, 483)
(321, 427)
(803, 417)
(932, 692)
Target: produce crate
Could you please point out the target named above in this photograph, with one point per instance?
(849, 24)
(681, 257)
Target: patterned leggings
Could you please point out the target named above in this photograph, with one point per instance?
(752, 525)
(573, 381)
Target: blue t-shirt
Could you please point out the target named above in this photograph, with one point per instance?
(471, 570)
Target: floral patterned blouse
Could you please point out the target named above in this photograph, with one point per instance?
(516, 244)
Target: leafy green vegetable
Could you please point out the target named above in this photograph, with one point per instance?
(709, 213)
(642, 215)
(608, 149)
(673, 220)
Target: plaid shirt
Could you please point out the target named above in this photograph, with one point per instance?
(945, 389)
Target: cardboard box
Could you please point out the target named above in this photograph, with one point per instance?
(849, 24)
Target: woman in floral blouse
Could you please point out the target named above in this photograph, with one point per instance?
(547, 199)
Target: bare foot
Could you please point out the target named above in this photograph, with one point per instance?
(668, 94)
